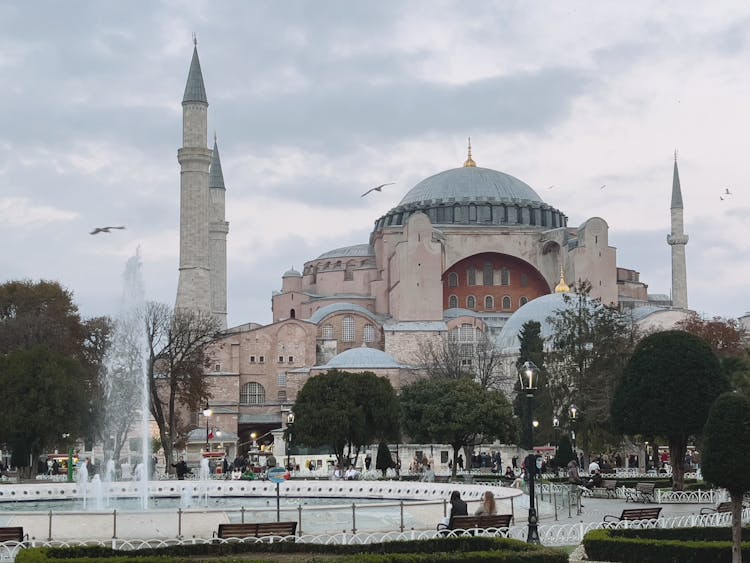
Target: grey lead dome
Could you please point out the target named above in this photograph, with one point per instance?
(474, 183)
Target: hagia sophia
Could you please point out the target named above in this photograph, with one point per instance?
(467, 252)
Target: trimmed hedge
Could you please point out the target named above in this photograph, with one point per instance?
(466, 549)
(679, 545)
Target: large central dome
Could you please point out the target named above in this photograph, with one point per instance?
(474, 183)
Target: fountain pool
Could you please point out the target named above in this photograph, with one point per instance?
(56, 510)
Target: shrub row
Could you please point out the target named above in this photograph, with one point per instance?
(686, 545)
(465, 549)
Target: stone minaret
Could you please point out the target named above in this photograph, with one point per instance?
(677, 240)
(217, 238)
(194, 286)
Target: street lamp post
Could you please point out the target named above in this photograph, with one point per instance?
(207, 412)
(529, 379)
(556, 428)
(289, 427)
(573, 419)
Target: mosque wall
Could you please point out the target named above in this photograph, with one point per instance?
(404, 346)
(419, 271)
(596, 261)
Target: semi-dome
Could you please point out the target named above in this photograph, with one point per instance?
(539, 310)
(472, 182)
(349, 251)
(362, 358)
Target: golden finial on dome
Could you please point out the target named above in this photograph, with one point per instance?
(469, 161)
(562, 287)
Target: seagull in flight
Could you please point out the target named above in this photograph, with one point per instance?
(603, 186)
(98, 230)
(377, 188)
(727, 192)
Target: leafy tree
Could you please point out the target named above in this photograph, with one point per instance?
(455, 412)
(384, 459)
(591, 344)
(667, 388)
(175, 364)
(532, 349)
(45, 396)
(728, 340)
(726, 455)
(44, 314)
(345, 411)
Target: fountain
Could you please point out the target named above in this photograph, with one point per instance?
(97, 492)
(82, 478)
(125, 380)
(205, 476)
(109, 471)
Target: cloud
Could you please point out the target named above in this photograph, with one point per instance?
(18, 212)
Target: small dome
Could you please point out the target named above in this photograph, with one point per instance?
(362, 358)
(472, 182)
(291, 273)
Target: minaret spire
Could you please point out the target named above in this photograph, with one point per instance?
(194, 285)
(217, 237)
(677, 239)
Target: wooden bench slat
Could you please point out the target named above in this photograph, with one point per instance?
(11, 533)
(257, 529)
(651, 513)
(482, 521)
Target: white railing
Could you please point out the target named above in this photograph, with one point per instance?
(550, 534)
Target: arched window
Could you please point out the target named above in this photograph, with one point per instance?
(506, 302)
(369, 333)
(488, 273)
(252, 394)
(471, 276)
(488, 303)
(452, 302)
(292, 313)
(471, 303)
(328, 332)
(453, 279)
(523, 301)
(467, 333)
(505, 276)
(348, 329)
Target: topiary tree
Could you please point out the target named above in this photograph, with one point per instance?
(565, 452)
(668, 386)
(726, 455)
(384, 459)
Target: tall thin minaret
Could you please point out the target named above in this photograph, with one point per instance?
(217, 238)
(678, 240)
(194, 285)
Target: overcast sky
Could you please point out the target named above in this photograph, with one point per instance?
(315, 102)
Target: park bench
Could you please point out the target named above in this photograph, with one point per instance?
(608, 489)
(12, 534)
(719, 508)
(256, 530)
(635, 514)
(643, 492)
(481, 522)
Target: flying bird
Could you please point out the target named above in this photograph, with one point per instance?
(377, 188)
(552, 186)
(727, 192)
(603, 186)
(98, 230)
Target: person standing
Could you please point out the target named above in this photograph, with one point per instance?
(368, 461)
(181, 468)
